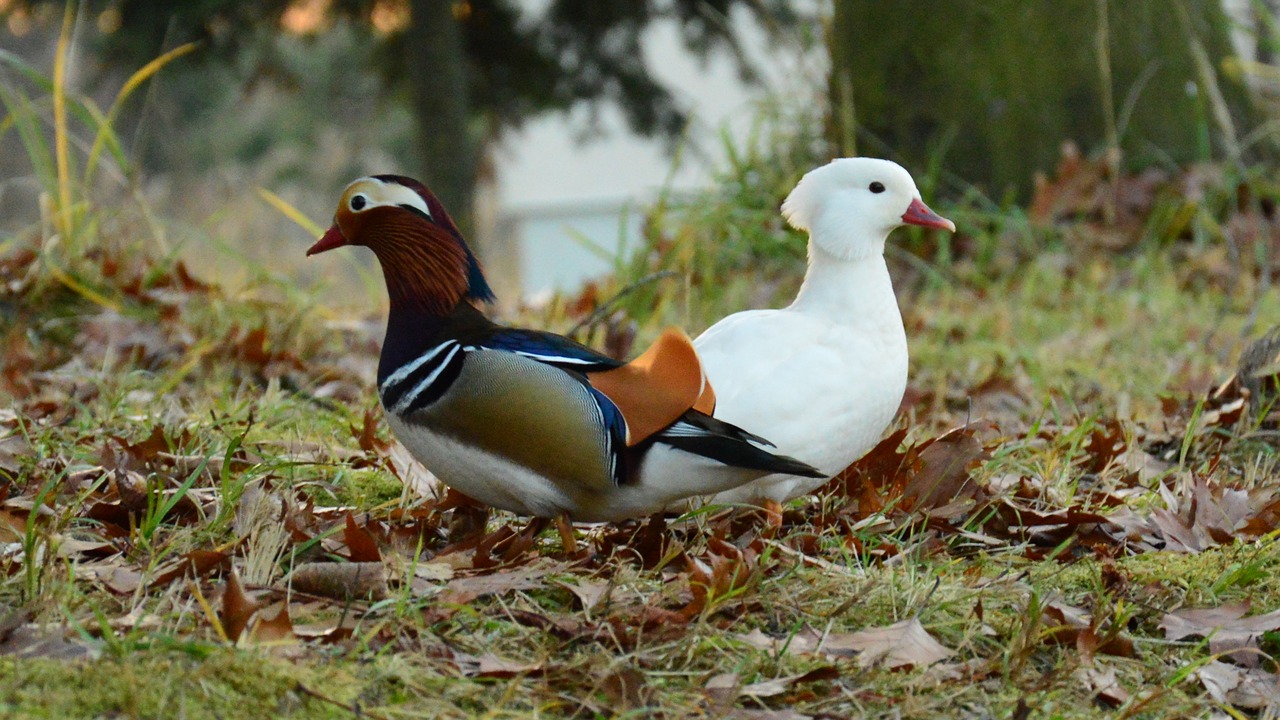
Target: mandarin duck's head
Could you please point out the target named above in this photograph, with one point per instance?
(424, 259)
(850, 205)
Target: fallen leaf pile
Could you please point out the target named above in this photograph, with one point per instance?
(206, 527)
(1102, 209)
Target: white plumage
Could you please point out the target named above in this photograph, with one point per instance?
(823, 377)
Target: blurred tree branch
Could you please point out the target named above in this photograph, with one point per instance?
(470, 69)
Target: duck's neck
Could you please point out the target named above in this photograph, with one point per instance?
(412, 331)
(848, 291)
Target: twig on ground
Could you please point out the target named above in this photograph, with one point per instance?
(353, 708)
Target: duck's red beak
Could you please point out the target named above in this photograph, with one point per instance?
(919, 214)
(331, 239)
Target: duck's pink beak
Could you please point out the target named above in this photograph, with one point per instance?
(331, 239)
(919, 214)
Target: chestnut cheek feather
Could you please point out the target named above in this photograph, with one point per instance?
(331, 239)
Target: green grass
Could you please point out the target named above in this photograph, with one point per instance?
(175, 421)
(1113, 333)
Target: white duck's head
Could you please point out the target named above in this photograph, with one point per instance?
(850, 205)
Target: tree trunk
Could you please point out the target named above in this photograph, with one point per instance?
(437, 69)
(842, 122)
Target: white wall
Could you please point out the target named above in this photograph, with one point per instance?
(551, 186)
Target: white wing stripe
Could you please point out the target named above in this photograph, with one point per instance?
(684, 429)
(409, 397)
(540, 356)
(556, 358)
(398, 376)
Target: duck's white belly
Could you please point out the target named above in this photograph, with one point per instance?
(489, 478)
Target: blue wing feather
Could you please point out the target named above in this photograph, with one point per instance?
(617, 428)
(549, 348)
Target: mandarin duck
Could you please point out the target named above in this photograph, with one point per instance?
(525, 420)
(823, 377)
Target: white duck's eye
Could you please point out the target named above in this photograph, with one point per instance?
(876, 187)
(359, 201)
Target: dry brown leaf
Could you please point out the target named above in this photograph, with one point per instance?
(626, 689)
(722, 689)
(428, 576)
(1248, 688)
(460, 591)
(137, 619)
(237, 608)
(13, 527)
(930, 480)
(492, 666)
(139, 455)
(29, 640)
(1105, 444)
(1102, 683)
(340, 580)
(16, 370)
(1068, 625)
(900, 645)
(361, 547)
(731, 571)
(1178, 534)
(972, 670)
(650, 543)
(13, 449)
(1228, 630)
(940, 485)
(70, 547)
(412, 473)
(118, 579)
(778, 686)
(590, 593)
(196, 563)
(274, 630)
(878, 467)
(803, 642)
(367, 434)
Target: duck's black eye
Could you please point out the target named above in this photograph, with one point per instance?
(876, 187)
(358, 202)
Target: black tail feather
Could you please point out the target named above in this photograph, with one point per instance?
(704, 435)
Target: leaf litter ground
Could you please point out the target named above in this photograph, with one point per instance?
(1075, 514)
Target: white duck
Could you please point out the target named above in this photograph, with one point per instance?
(823, 377)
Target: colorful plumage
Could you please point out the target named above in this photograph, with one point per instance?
(823, 377)
(525, 420)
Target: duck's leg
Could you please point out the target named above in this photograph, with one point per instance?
(568, 540)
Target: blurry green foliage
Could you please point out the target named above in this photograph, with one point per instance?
(996, 86)
(468, 71)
